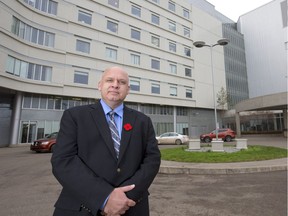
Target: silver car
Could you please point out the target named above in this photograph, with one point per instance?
(172, 138)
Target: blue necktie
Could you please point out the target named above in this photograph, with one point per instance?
(114, 132)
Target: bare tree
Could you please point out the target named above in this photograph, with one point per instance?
(222, 98)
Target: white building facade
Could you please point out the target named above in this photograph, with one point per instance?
(266, 47)
(53, 52)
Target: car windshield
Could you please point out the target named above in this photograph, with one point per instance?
(52, 135)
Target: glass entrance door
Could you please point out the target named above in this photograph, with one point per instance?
(28, 131)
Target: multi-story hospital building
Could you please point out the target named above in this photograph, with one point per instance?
(53, 52)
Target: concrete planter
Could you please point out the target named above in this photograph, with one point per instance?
(241, 143)
(217, 146)
(194, 144)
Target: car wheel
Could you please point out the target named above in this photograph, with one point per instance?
(52, 148)
(178, 142)
(228, 138)
(207, 139)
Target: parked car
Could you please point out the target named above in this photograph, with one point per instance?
(172, 138)
(45, 144)
(226, 134)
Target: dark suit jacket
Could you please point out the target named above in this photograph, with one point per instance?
(85, 164)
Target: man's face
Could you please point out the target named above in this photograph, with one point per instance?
(114, 86)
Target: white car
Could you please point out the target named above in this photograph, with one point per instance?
(172, 138)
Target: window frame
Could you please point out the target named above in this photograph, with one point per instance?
(172, 6)
(136, 10)
(155, 19)
(112, 26)
(135, 34)
(172, 26)
(135, 59)
(173, 91)
(135, 85)
(114, 3)
(172, 46)
(155, 88)
(83, 46)
(111, 53)
(155, 40)
(83, 77)
(84, 17)
(153, 62)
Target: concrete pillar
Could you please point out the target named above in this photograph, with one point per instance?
(174, 118)
(241, 143)
(15, 121)
(217, 146)
(237, 121)
(285, 122)
(194, 144)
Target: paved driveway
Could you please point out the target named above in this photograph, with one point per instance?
(27, 188)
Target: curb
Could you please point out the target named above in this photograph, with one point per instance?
(169, 167)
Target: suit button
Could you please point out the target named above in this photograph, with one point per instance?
(118, 170)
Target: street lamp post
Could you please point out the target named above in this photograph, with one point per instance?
(200, 44)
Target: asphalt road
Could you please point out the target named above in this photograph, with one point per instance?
(27, 188)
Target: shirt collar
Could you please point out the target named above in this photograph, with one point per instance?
(107, 109)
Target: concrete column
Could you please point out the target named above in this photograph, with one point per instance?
(285, 122)
(237, 120)
(174, 117)
(15, 121)
(217, 146)
(194, 144)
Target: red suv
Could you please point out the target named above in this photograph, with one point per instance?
(45, 144)
(226, 134)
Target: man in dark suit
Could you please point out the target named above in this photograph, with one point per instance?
(98, 177)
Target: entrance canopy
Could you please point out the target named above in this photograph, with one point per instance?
(268, 102)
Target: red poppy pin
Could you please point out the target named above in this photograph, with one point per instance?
(127, 127)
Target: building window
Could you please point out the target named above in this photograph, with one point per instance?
(186, 32)
(187, 51)
(155, 64)
(186, 13)
(111, 53)
(155, 40)
(46, 6)
(173, 68)
(83, 46)
(80, 77)
(136, 10)
(52, 102)
(188, 93)
(28, 70)
(172, 46)
(114, 3)
(155, 19)
(135, 59)
(155, 88)
(188, 72)
(173, 91)
(155, 1)
(171, 6)
(135, 85)
(172, 26)
(112, 26)
(84, 17)
(32, 34)
(135, 34)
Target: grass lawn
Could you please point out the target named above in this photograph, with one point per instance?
(253, 153)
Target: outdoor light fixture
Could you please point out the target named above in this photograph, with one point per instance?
(200, 44)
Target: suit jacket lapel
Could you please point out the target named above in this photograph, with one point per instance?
(99, 118)
(129, 117)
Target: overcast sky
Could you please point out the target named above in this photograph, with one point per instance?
(235, 8)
